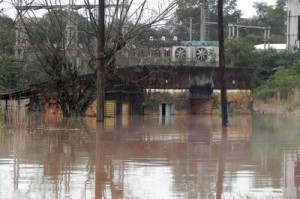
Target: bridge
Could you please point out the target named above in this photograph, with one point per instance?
(128, 83)
(185, 77)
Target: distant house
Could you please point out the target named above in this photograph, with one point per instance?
(277, 47)
(293, 25)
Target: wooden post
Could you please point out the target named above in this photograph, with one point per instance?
(222, 64)
(100, 63)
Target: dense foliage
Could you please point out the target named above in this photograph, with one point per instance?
(8, 75)
(238, 53)
(14, 75)
(270, 61)
(7, 35)
(266, 16)
(281, 85)
(18, 75)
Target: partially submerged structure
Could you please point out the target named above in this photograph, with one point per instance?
(125, 95)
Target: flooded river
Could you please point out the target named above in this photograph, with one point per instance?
(186, 157)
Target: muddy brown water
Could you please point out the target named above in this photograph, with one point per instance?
(149, 157)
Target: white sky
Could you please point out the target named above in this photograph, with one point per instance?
(247, 6)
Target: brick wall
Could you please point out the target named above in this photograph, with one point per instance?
(201, 106)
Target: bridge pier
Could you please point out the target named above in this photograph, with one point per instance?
(35, 102)
(200, 93)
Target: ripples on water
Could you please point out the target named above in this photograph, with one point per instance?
(148, 157)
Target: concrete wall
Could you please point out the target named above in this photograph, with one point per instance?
(292, 24)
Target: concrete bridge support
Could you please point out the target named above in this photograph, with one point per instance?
(200, 93)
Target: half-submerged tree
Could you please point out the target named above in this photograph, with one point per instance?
(63, 40)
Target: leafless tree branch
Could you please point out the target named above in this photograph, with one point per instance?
(49, 37)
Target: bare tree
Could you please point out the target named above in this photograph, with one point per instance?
(63, 40)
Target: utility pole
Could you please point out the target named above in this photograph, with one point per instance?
(222, 64)
(203, 23)
(100, 62)
(191, 29)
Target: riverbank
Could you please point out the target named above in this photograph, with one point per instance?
(275, 109)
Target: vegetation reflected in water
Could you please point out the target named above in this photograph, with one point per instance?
(148, 157)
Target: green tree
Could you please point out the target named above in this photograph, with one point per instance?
(267, 16)
(239, 54)
(18, 76)
(8, 77)
(284, 81)
(7, 35)
(268, 62)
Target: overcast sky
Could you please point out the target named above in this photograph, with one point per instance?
(247, 6)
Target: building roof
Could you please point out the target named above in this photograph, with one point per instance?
(272, 46)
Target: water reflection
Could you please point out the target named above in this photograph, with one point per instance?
(147, 157)
(221, 163)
